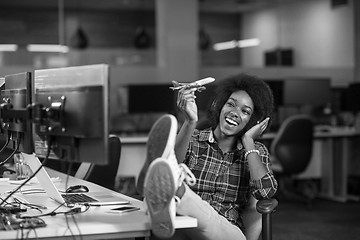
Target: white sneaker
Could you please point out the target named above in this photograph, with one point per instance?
(163, 178)
(161, 143)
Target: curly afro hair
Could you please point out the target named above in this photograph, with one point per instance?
(258, 90)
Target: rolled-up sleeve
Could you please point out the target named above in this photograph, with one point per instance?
(265, 187)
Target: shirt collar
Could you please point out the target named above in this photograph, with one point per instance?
(208, 135)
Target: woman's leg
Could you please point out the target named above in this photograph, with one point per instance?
(211, 225)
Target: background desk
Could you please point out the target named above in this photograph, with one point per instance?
(337, 153)
(333, 150)
(96, 223)
(332, 153)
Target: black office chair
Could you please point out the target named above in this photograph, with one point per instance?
(291, 152)
(103, 175)
(257, 218)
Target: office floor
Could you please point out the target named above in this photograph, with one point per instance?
(323, 220)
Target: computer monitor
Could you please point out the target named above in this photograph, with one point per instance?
(307, 91)
(277, 88)
(16, 95)
(71, 107)
(151, 98)
(352, 97)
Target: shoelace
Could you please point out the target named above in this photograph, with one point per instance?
(182, 171)
(186, 175)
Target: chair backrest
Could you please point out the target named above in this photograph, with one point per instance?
(103, 175)
(293, 144)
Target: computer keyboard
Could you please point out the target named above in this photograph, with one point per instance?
(73, 198)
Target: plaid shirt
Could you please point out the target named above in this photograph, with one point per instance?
(223, 179)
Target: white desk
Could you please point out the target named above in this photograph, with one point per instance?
(96, 223)
(329, 160)
(337, 151)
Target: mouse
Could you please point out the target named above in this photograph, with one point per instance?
(323, 128)
(77, 189)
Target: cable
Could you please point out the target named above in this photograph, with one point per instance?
(68, 227)
(31, 229)
(52, 213)
(12, 154)
(71, 212)
(3, 201)
(33, 175)
(6, 143)
(29, 205)
(77, 226)
(68, 173)
(76, 210)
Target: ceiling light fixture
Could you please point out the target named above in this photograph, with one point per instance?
(236, 44)
(47, 48)
(8, 47)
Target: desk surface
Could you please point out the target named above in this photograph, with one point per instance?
(95, 223)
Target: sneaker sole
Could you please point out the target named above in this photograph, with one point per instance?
(159, 192)
(161, 142)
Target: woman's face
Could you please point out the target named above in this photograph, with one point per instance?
(236, 113)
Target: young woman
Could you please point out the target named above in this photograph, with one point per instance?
(227, 165)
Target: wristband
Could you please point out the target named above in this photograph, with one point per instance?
(251, 151)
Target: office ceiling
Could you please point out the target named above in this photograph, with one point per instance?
(204, 5)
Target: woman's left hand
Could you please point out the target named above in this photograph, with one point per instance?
(257, 129)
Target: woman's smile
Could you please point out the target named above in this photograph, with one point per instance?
(236, 113)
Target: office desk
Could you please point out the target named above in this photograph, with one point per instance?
(335, 153)
(329, 158)
(96, 223)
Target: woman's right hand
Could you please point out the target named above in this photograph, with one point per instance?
(187, 104)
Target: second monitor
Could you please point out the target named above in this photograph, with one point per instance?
(71, 110)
